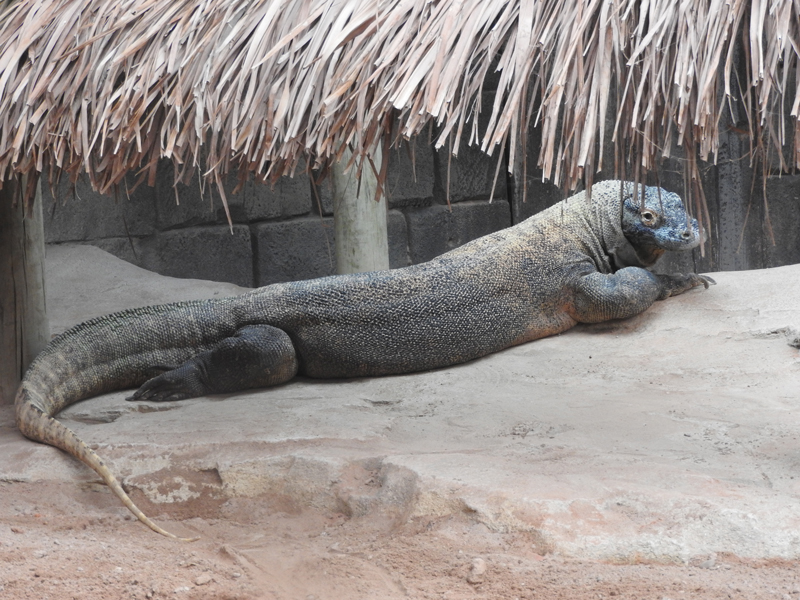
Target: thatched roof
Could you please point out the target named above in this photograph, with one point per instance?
(105, 86)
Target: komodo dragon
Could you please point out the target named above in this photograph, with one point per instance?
(581, 261)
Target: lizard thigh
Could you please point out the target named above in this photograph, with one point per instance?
(255, 356)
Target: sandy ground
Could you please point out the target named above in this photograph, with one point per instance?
(651, 458)
(70, 550)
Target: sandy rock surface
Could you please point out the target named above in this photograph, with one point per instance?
(651, 458)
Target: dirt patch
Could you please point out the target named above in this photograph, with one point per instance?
(48, 552)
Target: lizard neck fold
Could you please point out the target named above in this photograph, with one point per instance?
(603, 216)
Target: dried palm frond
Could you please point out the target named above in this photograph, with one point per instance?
(264, 86)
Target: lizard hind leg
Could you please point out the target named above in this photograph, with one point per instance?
(255, 356)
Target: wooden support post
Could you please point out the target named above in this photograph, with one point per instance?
(359, 222)
(24, 327)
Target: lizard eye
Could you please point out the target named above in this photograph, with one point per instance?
(649, 218)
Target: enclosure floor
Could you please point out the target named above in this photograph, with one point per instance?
(652, 458)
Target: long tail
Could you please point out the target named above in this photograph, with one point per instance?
(34, 423)
(114, 352)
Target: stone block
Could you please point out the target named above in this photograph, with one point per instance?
(738, 236)
(294, 250)
(411, 174)
(78, 213)
(321, 195)
(289, 197)
(409, 182)
(397, 231)
(471, 176)
(304, 248)
(436, 229)
(537, 195)
(774, 164)
(195, 204)
(210, 252)
(472, 172)
(183, 205)
(783, 200)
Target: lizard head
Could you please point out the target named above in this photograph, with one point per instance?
(657, 224)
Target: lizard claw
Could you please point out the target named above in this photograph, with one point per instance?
(706, 280)
(178, 384)
(672, 285)
(695, 280)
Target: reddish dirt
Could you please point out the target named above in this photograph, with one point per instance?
(46, 552)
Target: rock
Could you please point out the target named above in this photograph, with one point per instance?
(203, 579)
(708, 564)
(477, 571)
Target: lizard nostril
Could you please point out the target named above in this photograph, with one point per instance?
(686, 234)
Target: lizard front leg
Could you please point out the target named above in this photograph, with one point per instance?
(598, 297)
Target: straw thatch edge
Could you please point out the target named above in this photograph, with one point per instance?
(271, 87)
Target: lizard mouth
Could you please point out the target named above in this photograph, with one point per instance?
(680, 234)
(683, 238)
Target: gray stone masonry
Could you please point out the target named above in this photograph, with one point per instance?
(397, 226)
(209, 252)
(436, 229)
(411, 174)
(293, 250)
(471, 175)
(783, 197)
(282, 232)
(81, 214)
(409, 178)
(193, 205)
(303, 248)
(205, 252)
(529, 194)
(280, 235)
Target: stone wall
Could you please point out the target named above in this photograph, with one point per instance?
(280, 233)
(285, 232)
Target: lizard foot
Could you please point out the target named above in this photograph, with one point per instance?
(177, 384)
(672, 285)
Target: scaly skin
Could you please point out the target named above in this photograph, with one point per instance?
(579, 261)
